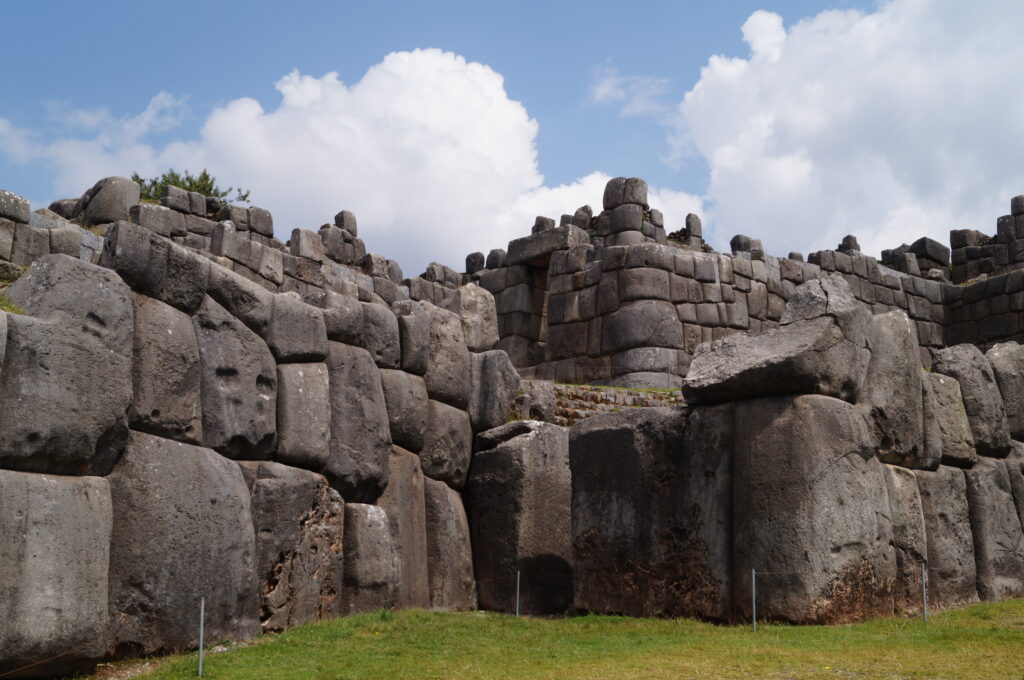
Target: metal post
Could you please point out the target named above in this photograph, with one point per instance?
(753, 599)
(517, 592)
(202, 624)
(924, 592)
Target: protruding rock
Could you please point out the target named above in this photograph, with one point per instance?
(182, 528)
(518, 500)
(449, 553)
(371, 564)
(982, 400)
(299, 522)
(109, 200)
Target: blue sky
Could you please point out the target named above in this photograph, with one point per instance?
(818, 119)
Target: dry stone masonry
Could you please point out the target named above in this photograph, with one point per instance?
(601, 416)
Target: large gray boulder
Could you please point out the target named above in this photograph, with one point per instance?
(475, 306)
(908, 536)
(408, 408)
(641, 323)
(819, 349)
(996, 529)
(414, 333)
(303, 415)
(1007, 361)
(247, 301)
(449, 367)
(109, 200)
(495, 384)
(65, 397)
(380, 335)
(81, 297)
(449, 551)
(518, 499)
(951, 568)
(945, 412)
(299, 524)
(182, 530)
(166, 392)
(447, 444)
(536, 249)
(814, 506)
(403, 501)
(14, 207)
(651, 512)
(239, 385)
(360, 435)
(891, 396)
(296, 332)
(982, 401)
(56, 537)
(371, 564)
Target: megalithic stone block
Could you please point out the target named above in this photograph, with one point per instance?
(909, 538)
(982, 400)
(996, 529)
(371, 563)
(536, 249)
(449, 551)
(952, 573)
(403, 501)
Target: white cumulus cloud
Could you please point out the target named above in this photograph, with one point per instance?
(889, 125)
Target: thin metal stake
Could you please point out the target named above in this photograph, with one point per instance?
(517, 592)
(202, 625)
(924, 592)
(753, 598)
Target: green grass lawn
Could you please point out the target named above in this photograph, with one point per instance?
(983, 641)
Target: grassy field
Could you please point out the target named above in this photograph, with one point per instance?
(983, 641)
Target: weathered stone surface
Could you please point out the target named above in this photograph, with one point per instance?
(81, 297)
(814, 503)
(261, 221)
(65, 396)
(360, 436)
(536, 249)
(1015, 472)
(109, 200)
(56, 537)
(449, 551)
(202, 511)
(14, 207)
(449, 367)
(982, 401)
(248, 301)
(651, 512)
(891, 395)
(239, 385)
(406, 398)
(296, 332)
(66, 241)
(803, 357)
(447, 444)
(299, 523)
(642, 323)
(950, 419)
(403, 501)
(495, 383)
(996, 530)
(475, 307)
(908, 537)
(829, 296)
(307, 244)
(951, 569)
(166, 393)
(414, 332)
(535, 400)
(371, 564)
(303, 415)
(158, 219)
(380, 335)
(1007, 361)
(518, 500)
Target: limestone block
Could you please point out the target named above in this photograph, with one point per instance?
(518, 499)
(296, 332)
(908, 537)
(249, 302)
(950, 418)
(406, 398)
(495, 383)
(14, 207)
(476, 308)
(158, 219)
(109, 200)
(951, 569)
(814, 503)
(449, 551)
(982, 401)
(380, 335)
(449, 367)
(1007, 361)
(360, 435)
(307, 244)
(414, 324)
(261, 221)
(30, 243)
(56, 536)
(996, 529)
(447, 444)
(64, 394)
(298, 522)
(536, 249)
(239, 385)
(166, 393)
(303, 415)
(371, 563)
(643, 323)
(202, 511)
(403, 501)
